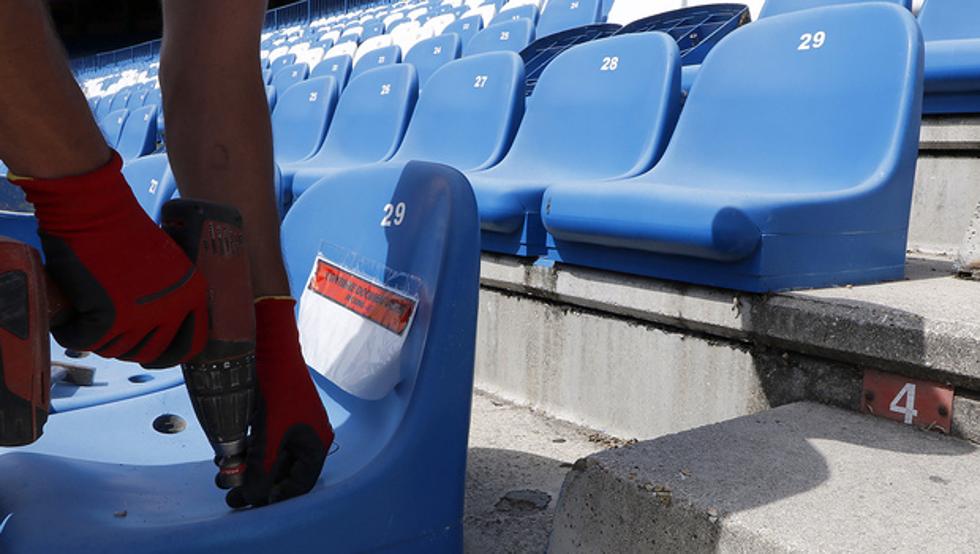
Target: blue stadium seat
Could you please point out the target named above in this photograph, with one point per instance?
(120, 99)
(467, 116)
(290, 75)
(539, 53)
(137, 98)
(952, 74)
(112, 124)
(793, 171)
(146, 177)
(352, 37)
(270, 96)
(778, 7)
(616, 125)
(367, 127)
(561, 15)
(372, 28)
(378, 57)
(103, 108)
(338, 67)
(396, 481)
(139, 133)
(528, 12)
(465, 27)
(511, 36)
(281, 62)
(429, 55)
(267, 76)
(301, 118)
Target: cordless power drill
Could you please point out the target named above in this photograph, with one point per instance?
(221, 380)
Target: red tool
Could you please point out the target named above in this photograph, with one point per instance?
(221, 380)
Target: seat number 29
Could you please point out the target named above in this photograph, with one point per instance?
(812, 41)
(394, 215)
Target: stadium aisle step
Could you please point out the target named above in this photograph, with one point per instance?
(799, 478)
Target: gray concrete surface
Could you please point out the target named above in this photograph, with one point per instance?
(800, 478)
(517, 462)
(927, 325)
(950, 132)
(946, 194)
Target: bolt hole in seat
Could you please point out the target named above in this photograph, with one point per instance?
(793, 171)
(136, 475)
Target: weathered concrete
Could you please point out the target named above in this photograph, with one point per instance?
(801, 478)
(950, 132)
(946, 194)
(927, 325)
(515, 449)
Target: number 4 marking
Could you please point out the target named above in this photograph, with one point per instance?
(909, 411)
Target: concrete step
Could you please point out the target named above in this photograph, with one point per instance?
(799, 478)
(638, 357)
(517, 461)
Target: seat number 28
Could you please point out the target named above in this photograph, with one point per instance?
(812, 41)
(394, 215)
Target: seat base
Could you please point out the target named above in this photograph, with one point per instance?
(951, 103)
(781, 262)
(528, 241)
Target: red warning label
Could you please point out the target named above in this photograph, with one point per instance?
(387, 308)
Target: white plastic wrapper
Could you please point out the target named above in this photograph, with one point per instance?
(354, 317)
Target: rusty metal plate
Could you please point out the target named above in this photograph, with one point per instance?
(911, 401)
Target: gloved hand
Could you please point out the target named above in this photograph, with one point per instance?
(136, 296)
(290, 435)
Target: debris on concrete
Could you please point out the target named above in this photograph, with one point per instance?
(525, 500)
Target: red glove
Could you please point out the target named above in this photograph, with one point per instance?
(135, 294)
(290, 434)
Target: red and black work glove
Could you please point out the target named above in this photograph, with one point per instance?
(290, 434)
(135, 294)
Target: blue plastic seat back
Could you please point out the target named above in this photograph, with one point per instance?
(267, 76)
(839, 137)
(617, 122)
(112, 124)
(301, 118)
(281, 62)
(542, 51)
(512, 36)
(429, 55)
(950, 20)
(696, 29)
(146, 177)
(270, 96)
(778, 7)
(465, 27)
(467, 115)
(379, 57)
(561, 15)
(371, 118)
(120, 100)
(373, 28)
(139, 133)
(338, 67)
(103, 108)
(290, 75)
(528, 12)
(137, 99)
